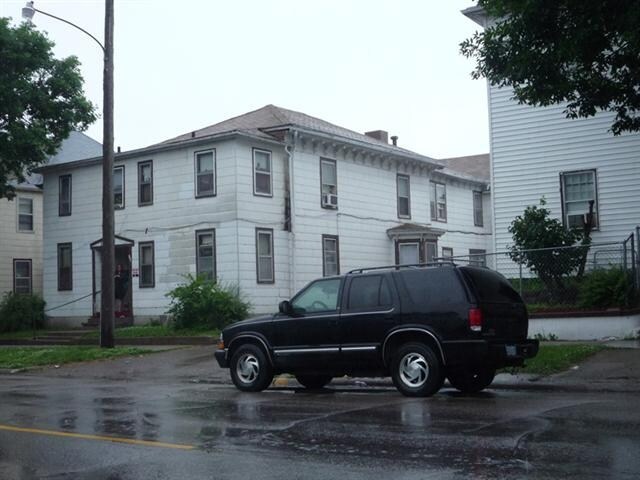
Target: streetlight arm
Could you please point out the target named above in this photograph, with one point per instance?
(69, 23)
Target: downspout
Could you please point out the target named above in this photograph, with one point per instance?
(289, 148)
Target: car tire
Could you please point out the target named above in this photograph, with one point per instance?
(471, 379)
(313, 382)
(250, 369)
(416, 370)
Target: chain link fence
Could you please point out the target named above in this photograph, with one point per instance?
(596, 277)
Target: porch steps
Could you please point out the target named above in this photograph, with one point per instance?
(94, 322)
(61, 337)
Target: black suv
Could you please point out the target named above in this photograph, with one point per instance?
(417, 323)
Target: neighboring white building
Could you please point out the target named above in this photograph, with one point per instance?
(21, 241)
(268, 200)
(21, 222)
(537, 151)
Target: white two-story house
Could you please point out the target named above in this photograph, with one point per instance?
(537, 151)
(268, 200)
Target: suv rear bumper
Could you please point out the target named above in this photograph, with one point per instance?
(500, 354)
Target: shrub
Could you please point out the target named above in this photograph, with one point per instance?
(19, 311)
(201, 303)
(606, 288)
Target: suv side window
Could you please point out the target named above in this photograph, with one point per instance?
(368, 293)
(320, 296)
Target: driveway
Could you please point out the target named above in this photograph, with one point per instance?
(175, 415)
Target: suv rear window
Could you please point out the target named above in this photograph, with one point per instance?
(491, 287)
(433, 288)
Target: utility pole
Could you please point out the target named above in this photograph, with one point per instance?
(108, 239)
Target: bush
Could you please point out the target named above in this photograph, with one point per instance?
(19, 311)
(606, 288)
(201, 303)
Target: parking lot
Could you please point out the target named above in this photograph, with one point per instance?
(176, 415)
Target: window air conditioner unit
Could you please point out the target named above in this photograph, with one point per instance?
(329, 200)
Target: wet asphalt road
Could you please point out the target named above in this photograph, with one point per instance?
(180, 399)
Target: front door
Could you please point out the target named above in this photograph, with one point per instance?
(408, 253)
(123, 291)
(308, 339)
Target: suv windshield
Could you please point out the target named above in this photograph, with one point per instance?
(320, 296)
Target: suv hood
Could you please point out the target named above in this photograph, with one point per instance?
(251, 321)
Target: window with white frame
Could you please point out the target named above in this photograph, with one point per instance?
(329, 183)
(118, 187)
(262, 172)
(330, 255)
(206, 253)
(478, 213)
(64, 195)
(477, 257)
(438, 202)
(205, 164)
(25, 214)
(264, 255)
(447, 252)
(578, 190)
(403, 185)
(145, 183)
(147, 261)
(22, 278)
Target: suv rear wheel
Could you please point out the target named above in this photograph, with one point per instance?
(471, 379)
(313, 382)
(250, 369)
(416, 370)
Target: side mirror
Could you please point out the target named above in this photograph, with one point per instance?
(285, 307)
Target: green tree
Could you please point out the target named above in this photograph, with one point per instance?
(41, 102)
(582, 53)
(536, 237)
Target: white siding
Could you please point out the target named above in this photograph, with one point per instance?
(20, 245)
(367, 209)
(531, 146)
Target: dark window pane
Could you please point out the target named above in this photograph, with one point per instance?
(25, 222)
(263, 183)
(403, 206)
(145, 193)
(364, 292)
(385, 293)
(146, 275)
(205, 184)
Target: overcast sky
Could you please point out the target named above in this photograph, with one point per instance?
(361, 64)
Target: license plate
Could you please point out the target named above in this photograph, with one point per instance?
(512, 351)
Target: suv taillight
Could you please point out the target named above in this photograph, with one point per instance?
(475, 319)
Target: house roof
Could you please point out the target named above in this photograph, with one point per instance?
(272, 118)
(475, 166)
(76, 147)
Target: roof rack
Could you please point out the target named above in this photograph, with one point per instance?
(405, 265)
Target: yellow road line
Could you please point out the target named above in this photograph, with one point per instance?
(132, 441)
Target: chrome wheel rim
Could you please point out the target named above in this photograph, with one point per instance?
(414, 370)
(248, 368)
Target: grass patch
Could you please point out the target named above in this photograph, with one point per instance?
(558, 358)
(157, 331)
(39, 356)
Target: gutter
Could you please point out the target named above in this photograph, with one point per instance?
(192, 142)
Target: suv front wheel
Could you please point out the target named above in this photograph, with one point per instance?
(250, 369)
(416, 370)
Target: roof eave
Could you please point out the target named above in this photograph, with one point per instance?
(476, 14)
(390, 150)
(191, 142)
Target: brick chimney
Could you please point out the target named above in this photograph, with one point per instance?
(381, 135)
